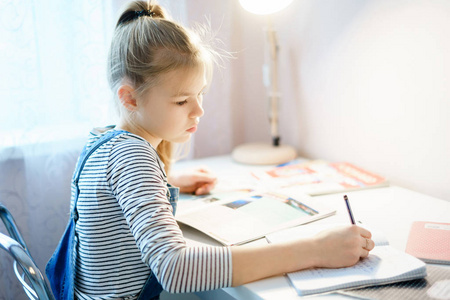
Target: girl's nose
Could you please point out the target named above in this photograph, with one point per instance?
(197, 111)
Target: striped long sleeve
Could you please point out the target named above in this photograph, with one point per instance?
(126, 228)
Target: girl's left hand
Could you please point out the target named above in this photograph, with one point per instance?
(198, 181)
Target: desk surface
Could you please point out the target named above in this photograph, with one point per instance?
(390, 210)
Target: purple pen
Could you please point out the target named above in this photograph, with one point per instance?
(349, 209)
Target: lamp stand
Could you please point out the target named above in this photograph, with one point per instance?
(260, 153)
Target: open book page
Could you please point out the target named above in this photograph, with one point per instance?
(187, 203)
(385, 264)
(240, 217)
(309, 230)
(231, 185)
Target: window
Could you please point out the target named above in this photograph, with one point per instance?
(53, 65)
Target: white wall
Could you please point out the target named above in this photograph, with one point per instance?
(362, 81)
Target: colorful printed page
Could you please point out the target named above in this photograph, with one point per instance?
(319, 177)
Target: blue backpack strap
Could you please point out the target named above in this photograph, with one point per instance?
(60, 269)
(85, 154)
(173, 195)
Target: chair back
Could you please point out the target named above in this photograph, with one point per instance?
(15, 245)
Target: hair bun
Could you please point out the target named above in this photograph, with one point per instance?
(157, 11)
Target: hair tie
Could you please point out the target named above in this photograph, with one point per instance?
(133, 15)
(145, 12)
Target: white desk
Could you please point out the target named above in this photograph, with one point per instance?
(390, 210)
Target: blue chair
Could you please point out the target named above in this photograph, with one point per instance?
(15, 245)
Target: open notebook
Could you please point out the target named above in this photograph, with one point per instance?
(384, 265)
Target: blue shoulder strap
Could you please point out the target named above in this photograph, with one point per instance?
(85, 154)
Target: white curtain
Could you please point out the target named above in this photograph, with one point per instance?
(53, 65)
(53, 89)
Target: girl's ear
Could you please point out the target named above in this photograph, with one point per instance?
(127, 97)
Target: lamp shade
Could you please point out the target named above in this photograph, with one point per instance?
(264, 7)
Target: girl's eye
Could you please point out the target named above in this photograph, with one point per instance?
(180, 103)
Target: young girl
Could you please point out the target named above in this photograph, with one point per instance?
(127, 243)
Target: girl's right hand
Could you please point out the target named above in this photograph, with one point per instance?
(342, 246)
(198, 181)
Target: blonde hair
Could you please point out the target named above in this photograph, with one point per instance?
(147, 44)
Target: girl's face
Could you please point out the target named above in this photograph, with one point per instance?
(171, 110)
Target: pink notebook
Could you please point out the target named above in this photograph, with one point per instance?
(430, 241)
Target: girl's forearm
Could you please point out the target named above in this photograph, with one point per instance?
(252, 263)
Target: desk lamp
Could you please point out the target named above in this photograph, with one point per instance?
(262, 153)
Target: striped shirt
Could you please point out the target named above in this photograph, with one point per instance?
(126, 228)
